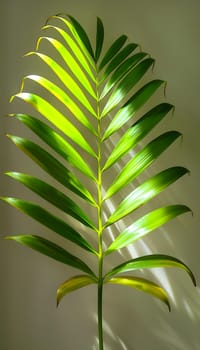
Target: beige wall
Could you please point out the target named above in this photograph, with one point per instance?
(29, 320)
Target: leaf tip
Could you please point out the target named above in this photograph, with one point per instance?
(49, 18)
(30, 53)
(38, 43)
(12, 98)
(58, 297)
(11, 238)
(57, 303)
(168, 305)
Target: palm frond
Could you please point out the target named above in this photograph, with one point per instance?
(95, 93)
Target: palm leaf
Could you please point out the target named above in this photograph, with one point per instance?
(73, 284)
(89, 85)
(52, 250)
(56, 142)
(118, 59)
(72, 45)
(136, 132)
(121, 71)
(99, 39)
(53, 196)
(148, 190)
(142, 160)
(143, 285)
(146, 224)
(149, 262)
(63, 97)
(78, 34)
(127, 83)
(51, 221)
(58, 119)
(112, 51)
(52, 166)
(66, 79)
(129, 109)
(70, 62)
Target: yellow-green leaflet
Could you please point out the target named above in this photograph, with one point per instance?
(63, 97)
(149, 262)
(146, 191)
(146, 224)
(142, 285)
(56, 118)
(71, 63)
(56, 142)
(67, 80)
(52, 250)
(73, 284)
(74, 47)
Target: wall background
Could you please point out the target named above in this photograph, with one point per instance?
(28, 316)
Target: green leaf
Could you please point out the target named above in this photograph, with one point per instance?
(51, 221)
(67, 80)
(146, 191)
(142, 285)
(64, 98)
(146, 224)
(113, 50)
(127, 83)
(118, 59)
(73, 284)
(99, 38)
(56, 142)
(71, 63)
(149, 262)
(78, 79)
(76, 36)
(82, 35)
(132, 106)
(137, 132)
(74, 48)
(53, 196)
(53, 167)
(52, 250)
(124, 68)
(57, 119)
(142, 161)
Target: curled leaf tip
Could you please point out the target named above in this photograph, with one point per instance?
(10, 237)
(30, 53)
(12, 98)
(57, 302)
(7, 173)
(169, 306)
(47, 26)
(60, 14)
(49, 18)
(22, 85)
(38, 43)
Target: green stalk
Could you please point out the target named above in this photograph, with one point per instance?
(100, 230)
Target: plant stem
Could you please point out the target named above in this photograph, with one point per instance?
(100, 279)
(100, 326)
(100, 230)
